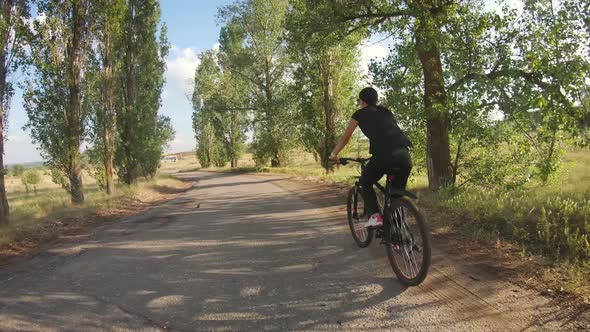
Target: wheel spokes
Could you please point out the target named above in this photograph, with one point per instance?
(408, 248)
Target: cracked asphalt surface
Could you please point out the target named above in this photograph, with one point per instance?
(240, 253)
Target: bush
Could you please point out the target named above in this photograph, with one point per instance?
(17, 170)
(31, 178)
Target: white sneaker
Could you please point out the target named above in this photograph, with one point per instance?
(375, 221)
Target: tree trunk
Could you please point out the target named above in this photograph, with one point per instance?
(275, 161)
(127, 135)
(330, 132)
(75, 69)
(109, 111)
(5, 11)
(438, 156)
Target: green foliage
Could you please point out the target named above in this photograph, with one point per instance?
(14, 37)
(325, 77)
(522, 74)
(142, 133)
(105, 63)
(263, 62)
(220, 103)
(206, 76)
(52, 97)
(205, 141)
(17, 170)
(31, 178)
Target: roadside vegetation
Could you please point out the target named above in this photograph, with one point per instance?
(91, 74)
(41, 214)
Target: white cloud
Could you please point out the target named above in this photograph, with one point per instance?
(181, 142)
(180, 72)
(371, 51)
(180, 69)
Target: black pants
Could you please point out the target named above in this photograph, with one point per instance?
(399, 164)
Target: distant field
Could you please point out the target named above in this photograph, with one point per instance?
(26, 165)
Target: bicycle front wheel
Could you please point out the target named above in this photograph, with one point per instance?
(407, 242)
(357, 218)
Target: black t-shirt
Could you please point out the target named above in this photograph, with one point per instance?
(380, 127)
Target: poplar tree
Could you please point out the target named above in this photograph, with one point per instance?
(53, 97)
(206, 91)
(107, 30)
(13, 38)
(142, 132)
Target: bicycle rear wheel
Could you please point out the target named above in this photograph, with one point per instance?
(357, 218)
(407, 242)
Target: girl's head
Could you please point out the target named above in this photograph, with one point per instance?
(369, 96)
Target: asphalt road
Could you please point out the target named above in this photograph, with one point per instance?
(239, 253)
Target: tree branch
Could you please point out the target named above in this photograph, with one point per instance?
(381, 15)
(518, 73)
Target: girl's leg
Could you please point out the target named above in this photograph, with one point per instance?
(402, 162)
(371, 175)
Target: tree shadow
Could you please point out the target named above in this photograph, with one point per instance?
(250, 257)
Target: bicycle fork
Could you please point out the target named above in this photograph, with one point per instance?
(390, 232)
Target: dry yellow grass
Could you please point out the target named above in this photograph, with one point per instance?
(32, 214)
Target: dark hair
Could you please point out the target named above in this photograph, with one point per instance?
(369, 96)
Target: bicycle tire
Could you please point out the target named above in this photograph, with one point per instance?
(354, 222)
(424, 236)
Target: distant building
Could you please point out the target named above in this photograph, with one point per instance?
(169, 159)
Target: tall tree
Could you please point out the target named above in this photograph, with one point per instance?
(57, 123)
(143, 133)
(325, 77)
(13, 38)
(107, 29)
(233, 104)
(206, 90)
(264, 63)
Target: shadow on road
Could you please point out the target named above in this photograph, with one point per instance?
(236, 254)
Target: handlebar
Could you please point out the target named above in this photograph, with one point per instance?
(344, 161)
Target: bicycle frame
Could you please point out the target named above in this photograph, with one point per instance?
(388, 193)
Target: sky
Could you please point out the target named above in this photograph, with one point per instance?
(192, 28)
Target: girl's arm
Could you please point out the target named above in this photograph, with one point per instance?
(344, 140)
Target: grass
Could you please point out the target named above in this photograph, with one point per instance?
(551, 219)
(38, 217)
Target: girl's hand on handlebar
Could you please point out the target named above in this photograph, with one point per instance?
(334, 158)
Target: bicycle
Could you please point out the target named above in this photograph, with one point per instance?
(397, 234)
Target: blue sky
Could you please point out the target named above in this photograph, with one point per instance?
(192, 28)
